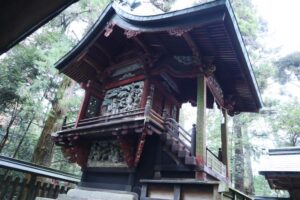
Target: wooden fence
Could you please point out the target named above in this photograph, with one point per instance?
(33, 181)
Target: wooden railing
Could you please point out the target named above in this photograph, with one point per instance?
(188, 141)
(32, 180)
(185, 138)
(214, 163)
(105, 118)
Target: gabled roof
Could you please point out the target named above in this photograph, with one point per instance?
(285, 160)
(281, 168)
(211, 26)
(20, 18)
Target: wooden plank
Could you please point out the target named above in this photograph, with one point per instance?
(37, 189)
(22, 189)
(56, 191)
(50, 191)
(6, 184)
(144, 190)
(14, 185)
(177, 192)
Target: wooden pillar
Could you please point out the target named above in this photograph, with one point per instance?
(146, 92)
(201, 120)
(83, 107)
(224, 138)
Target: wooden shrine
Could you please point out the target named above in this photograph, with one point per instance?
(137, 71)
(281, 168)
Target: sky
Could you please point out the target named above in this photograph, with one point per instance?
(282, 18)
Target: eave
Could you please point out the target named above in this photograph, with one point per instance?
(21, 18)
(224, 43)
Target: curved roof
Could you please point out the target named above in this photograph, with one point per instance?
(20, 18)
(210, 29)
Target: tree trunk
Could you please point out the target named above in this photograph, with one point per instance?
(23, 137)
(43, 152)
(249, 183)
(7, 130)
(239, 167)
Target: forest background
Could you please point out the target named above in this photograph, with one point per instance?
(35, 99)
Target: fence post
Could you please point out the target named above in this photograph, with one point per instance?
(31, 187)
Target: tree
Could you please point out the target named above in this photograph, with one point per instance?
(31, 90)
(288, 68)
(286, 123)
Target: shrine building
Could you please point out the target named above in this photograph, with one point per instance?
(137, 71)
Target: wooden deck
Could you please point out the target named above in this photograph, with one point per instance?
(179, 142)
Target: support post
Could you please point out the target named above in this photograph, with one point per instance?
(201, 120)
(146, 92)
(224, 138)
(83, 107)
(193, 145)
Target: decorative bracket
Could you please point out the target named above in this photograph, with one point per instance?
(178, 32)
(109, 29)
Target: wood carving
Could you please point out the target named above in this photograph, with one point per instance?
(106, 153)
(122, 99)
(76, 154)
(215, 89)
(92, 107)
(131, 33)
(178, 32)
(109, 29)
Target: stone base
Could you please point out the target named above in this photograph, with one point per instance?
(94, 194)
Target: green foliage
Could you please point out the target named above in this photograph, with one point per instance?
(288, 68)
(29, 83)
(262, 188)
(286, 123)
(247, 19)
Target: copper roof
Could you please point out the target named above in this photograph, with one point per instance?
(20, 18)
(118, 36)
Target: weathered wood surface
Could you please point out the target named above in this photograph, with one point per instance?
(18, 187)
(25, 189)
(188, 189)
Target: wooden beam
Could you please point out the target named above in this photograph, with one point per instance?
(141, 44)
(224, 139)
(94, 89)
(124, 82)
(90, 61)
(100, 48)
(201, 119)
(189, 40)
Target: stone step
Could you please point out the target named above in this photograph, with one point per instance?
(175, 147)
(190, 160)
(183, 153)
(94, 194)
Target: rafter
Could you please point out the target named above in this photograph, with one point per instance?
(141, 44)
(104, 51)
(93, 63)
(189, 40)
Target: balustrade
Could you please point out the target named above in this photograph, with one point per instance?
(32, 180)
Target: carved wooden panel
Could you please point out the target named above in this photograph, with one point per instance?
(106, 153)
(122, 99)
(92, 107)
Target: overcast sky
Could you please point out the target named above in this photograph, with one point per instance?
(282, 18)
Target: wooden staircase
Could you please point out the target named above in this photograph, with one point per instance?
(179, 142)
